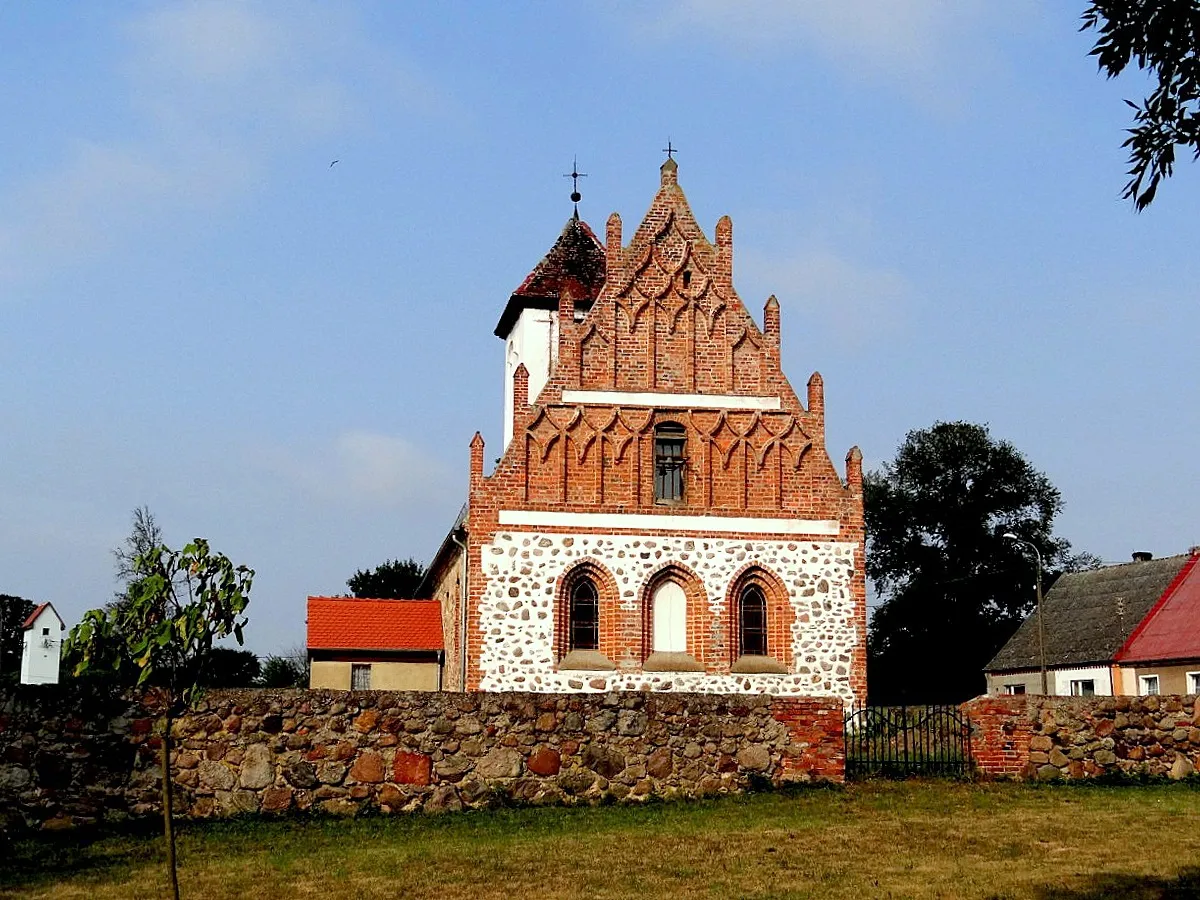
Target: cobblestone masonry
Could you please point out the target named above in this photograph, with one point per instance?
(1085, 737)
(66, 760)
(518, 608)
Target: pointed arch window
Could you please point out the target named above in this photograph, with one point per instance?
(670, 440)
(669, 618)
(584, 629)
(752, 621)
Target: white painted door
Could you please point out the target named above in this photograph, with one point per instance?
(670, 618)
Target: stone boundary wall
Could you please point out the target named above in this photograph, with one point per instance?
(1033, 737)
(68, 759)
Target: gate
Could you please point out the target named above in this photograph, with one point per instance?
(907, 741)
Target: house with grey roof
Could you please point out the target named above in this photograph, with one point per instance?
(1089, 620)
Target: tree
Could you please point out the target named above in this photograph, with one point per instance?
(161, 638)
(953, 589)
(229, 668)
(13, 613)
(144, 535)
(394, 579)
(1163, 38)
(289, 669)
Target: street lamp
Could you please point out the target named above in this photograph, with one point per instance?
(1041, 622)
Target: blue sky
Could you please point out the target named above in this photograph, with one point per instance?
(198, 313)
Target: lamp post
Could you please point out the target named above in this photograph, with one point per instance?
(1041, 622)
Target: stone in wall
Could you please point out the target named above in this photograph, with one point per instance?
(517, 610)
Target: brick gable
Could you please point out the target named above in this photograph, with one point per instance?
(665, 340)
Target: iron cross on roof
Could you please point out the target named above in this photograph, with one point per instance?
(670, 150)
(575, 175)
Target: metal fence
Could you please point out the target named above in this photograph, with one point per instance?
(907, 741)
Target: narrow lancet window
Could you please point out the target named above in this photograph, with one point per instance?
(669, 442)
(585, 616)
(752, 621)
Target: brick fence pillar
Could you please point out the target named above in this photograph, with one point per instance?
(1000, 734)
(817, 751)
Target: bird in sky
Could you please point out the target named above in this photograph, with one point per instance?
(334, 163)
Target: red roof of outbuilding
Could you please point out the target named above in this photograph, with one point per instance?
(1171, 630)
(347, 623)
(37, 611)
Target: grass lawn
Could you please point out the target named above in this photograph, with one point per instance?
(872, 840)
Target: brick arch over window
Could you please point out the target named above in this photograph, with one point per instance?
(698, 621)
(607, 597)
(756, 580)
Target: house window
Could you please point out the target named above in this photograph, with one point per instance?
(669, 438)
(1084, 687)
(752, 621)
(1193, 682)
(45, 632)
(360, 677)
(1149, 685)
(585, 616)
(669, 618)
(1014, 689)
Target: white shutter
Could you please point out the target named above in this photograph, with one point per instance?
(670, 618)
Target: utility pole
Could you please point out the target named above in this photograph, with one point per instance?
(1041, 622)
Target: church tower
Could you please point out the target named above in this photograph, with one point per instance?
(664, 515)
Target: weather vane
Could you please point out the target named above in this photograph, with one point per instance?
(575, 175)
(670, 150)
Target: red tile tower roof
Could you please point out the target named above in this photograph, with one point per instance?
(348, 623)
(576, 261)
(1171, 630)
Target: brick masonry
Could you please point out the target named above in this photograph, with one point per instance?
(69, 760)
(1084, 737)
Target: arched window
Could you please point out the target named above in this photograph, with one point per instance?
(669, 443)
(669, 618)
(584, 629)
(752, 621)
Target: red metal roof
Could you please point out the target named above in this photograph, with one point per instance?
(1171, 630)
(347, 623)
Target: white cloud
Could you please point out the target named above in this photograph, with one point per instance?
(916, 40)
(859, 302)
(363, 469)
(214, 93)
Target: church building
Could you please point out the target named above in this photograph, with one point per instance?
(664, 514)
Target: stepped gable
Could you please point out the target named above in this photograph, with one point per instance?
(668, 321)
(575, 263)
(668, 318)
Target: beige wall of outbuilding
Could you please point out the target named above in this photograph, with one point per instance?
(385, 676)
(1171, 679)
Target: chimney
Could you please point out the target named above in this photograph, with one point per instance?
(1142, 556)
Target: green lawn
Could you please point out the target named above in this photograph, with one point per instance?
(874, 840)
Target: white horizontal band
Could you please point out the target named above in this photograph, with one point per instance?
(681, 401)
(644, 521)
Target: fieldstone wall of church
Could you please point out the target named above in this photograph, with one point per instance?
(67, 758)
(518, 609)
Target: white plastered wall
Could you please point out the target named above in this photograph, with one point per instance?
(521, 573)
(1060, 680)
(533, 341)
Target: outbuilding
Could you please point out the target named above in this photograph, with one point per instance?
(41, 647)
